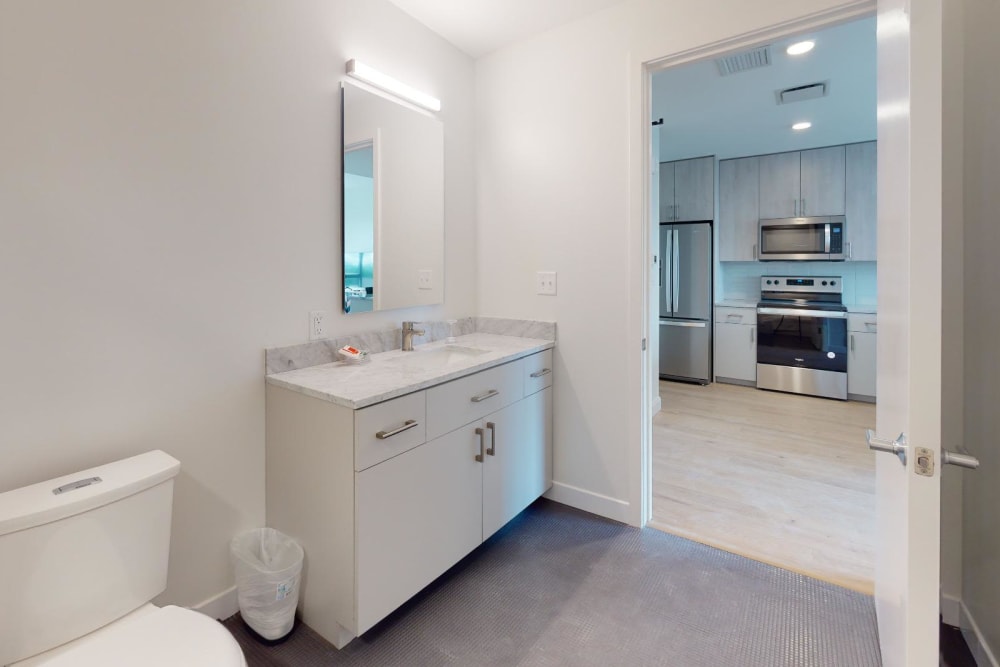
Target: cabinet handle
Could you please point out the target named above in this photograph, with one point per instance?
(407, 425)
(734, 318)
(751, 334)
(677, 212)
(803, 208)
(852, 342)
(850, 250)
(795, 205)
(492, 450)
(544, 371)
(755, 251)
(482, 445)
(482, 397)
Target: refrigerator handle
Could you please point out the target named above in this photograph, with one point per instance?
(667, 259)
(675, 295)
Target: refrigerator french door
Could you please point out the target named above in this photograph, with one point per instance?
(686, 302)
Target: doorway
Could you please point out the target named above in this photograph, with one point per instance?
(784, 476)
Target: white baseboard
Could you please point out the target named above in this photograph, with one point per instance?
(981, 651)
(951, 610)
(588, 501)
(657, 404)
(220, 606)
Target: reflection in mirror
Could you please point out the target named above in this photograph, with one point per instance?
(393, 203)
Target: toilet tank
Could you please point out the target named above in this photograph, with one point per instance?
(81, 551)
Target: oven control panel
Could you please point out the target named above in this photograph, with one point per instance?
(810, 284)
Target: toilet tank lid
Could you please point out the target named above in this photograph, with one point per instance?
(40, 503)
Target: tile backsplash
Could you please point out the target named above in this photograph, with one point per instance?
(741, 280)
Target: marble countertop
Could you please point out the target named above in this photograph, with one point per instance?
(359, 385)
(851, 307)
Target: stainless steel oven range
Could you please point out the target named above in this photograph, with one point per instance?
(802, 336)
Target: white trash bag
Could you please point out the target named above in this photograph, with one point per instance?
(267, 565)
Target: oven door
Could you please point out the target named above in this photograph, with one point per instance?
(802, 338)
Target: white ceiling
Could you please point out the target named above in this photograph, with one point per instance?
(478, 27)
(737, 115)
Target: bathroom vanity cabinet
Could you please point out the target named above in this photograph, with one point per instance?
(385, 498)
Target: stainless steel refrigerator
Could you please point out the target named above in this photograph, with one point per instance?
(686, 302)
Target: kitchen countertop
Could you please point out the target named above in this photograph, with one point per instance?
(858, 309)
(359, 385)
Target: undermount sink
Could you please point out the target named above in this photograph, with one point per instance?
(438, 357)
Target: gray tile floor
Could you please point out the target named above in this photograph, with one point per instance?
(561, 587)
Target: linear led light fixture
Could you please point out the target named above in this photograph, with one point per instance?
(371, 76)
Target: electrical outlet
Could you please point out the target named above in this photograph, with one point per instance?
(424, 279)
(317, 325)
(546, 283)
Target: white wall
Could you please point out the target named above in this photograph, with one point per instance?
(560, 132)
(981, 497)
(169, 207)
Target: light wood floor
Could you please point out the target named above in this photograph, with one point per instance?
(780, 478)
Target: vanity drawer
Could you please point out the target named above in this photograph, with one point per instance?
(537, 372)
(382, 431)
(862, 322)
(467, 399)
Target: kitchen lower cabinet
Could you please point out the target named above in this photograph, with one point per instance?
(861, 356)
(736, 345)
(385, 498)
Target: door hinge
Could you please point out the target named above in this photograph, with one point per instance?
(643, 344)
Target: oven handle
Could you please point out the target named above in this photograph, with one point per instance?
(829, 314)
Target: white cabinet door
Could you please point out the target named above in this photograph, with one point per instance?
(666, 191)
(418, 514)
(694, 189)
(519, 469)
(736, 351)
(861, 363)
(739, 184)
(779, 185)
(862, 185)
(822, 186)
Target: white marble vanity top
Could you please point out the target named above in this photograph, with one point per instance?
(389, 374)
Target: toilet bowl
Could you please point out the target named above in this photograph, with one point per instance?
(81, 558)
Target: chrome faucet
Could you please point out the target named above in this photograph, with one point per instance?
(408, 333)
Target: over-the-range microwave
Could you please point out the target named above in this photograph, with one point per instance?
(813, 238)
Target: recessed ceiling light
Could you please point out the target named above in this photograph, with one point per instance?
(804, 125)
(798, 48)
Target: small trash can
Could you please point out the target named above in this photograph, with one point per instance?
(267, 566)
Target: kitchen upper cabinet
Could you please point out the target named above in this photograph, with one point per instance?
(687, 190)
(780, 185)
(739, 183)
(822, 181)
(802, 183)
(862, 218)
(666, 191)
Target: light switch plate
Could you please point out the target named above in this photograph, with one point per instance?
(546, 283)
(425, 279)
(317, 325)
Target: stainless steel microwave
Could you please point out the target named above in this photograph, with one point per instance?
(814, 238)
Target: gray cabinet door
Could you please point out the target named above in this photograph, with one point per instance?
(779, 185)
(739, 184)
(666, 191)
(694, 191)
(822, 176)
(862, 219)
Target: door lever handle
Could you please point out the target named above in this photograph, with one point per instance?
(959, 459)
(897, 446)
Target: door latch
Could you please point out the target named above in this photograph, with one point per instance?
(925, 461)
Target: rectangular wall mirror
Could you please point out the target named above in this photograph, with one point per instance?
(392, 191)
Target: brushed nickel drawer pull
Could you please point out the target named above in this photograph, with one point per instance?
(544, 371)
(482, 397)
(407, 425)
(492, 450)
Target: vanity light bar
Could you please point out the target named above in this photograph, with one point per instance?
(375, 78)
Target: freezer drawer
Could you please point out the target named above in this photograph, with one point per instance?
(686, 350)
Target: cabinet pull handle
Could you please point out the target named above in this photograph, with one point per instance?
(850, 250)
(755, 251)
(734, 318)
(544, 371)
(752, 334)
(482, 397)
(677, 212)
(795, 205)
(492, 449)
(482, 445)
(803, 208)
(852, 342)
(407, 425)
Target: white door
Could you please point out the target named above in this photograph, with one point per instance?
(909, 342)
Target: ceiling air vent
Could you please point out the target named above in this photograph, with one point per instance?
(810, 91)
(744, 60)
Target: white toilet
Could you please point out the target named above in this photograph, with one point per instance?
(81, 557)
